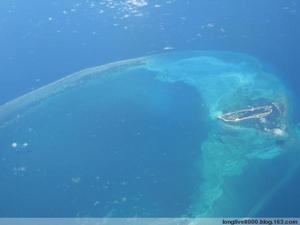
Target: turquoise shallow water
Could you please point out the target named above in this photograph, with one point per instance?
(142, 138)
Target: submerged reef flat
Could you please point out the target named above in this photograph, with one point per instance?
(246, 123)
(249, 116)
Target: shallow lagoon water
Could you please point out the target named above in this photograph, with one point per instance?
(142, 138)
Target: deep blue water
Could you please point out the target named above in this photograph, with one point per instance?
(126, 164)
(42, 41)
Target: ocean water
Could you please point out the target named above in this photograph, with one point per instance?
(140, 138)
(124, 160)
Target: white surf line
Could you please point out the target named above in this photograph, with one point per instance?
(60, 85)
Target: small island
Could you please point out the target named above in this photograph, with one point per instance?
(245, 114)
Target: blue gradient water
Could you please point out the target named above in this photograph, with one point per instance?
(42, 41)
(125, 159)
